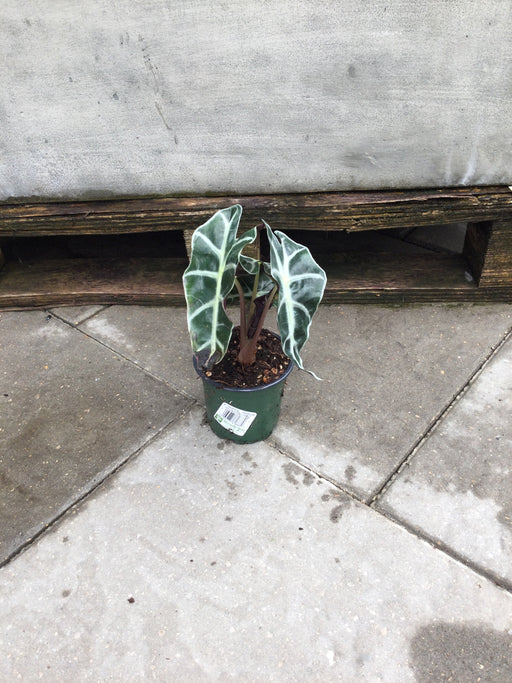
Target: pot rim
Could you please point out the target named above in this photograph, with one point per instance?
(240, 390)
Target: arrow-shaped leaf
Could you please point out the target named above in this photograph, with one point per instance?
(301, 286)
(210, 277)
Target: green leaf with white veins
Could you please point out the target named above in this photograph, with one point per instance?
(246, 275)
(252, 266)
(210, 277)
(301, 287)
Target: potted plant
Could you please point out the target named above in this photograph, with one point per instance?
(244, 368)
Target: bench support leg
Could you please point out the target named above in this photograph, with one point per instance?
(488, 250)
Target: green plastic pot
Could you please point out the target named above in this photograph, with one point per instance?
(243, 415)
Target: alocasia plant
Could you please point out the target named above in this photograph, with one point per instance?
(218, 268)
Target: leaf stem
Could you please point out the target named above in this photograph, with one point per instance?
(268, 304)
(254, 293)
(243, 318)
(247, 353)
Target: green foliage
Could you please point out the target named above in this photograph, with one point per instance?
(209, 279)
(217, 267)
(301, 284)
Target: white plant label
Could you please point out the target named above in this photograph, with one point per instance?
(233, 419)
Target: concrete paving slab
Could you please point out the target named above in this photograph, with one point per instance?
(156, 338)
(458, 487)
(205, 561)
(388, 373)
(71, 411)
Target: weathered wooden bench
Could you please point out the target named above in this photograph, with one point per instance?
(483, 272)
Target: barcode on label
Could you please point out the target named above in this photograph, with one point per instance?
(233, 419)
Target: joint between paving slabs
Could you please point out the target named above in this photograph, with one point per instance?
(94, 486)
(405, 462)
(50, 311)
(437, 544)
(434, 543)
(119, 354)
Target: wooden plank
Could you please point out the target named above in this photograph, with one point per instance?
(92, 281)
(475, 246)
(497, 270)
(392, 270)
(318, 211)
(352, 277)
(378, 277)
(488, 249)
(393, 277)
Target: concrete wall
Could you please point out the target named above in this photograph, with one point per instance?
(127, 97)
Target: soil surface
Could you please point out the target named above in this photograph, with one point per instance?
(271, 363)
